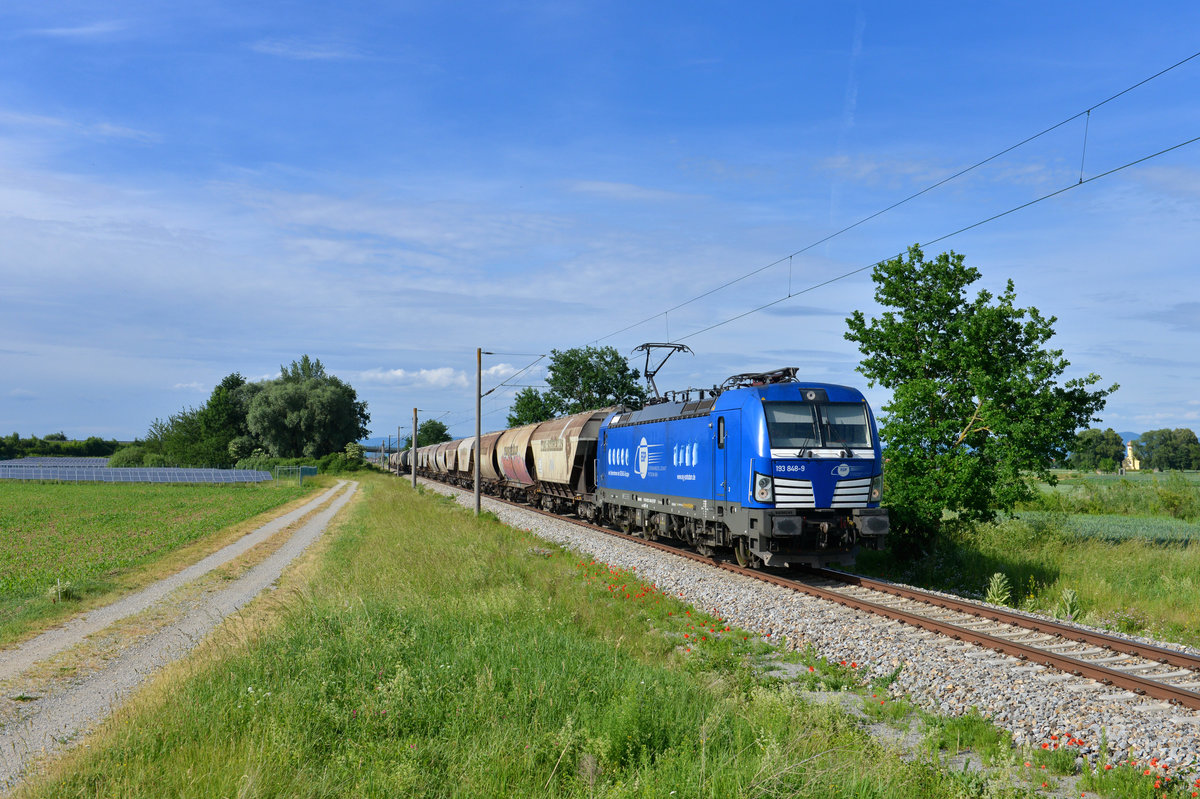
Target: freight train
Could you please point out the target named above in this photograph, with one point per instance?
(779, 471)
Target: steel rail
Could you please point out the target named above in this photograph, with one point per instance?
(1075, 666)
(1124, 645)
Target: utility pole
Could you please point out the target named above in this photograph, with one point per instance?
(478, 418)
(413, 450)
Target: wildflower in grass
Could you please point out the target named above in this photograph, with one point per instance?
(1108, 766)
(1045, 785)
(1027, 764)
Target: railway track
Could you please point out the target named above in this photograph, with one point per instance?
(1141, 669)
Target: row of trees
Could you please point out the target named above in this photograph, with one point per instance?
(305, 412)
(1168, 449)
(1155, 449)
(55, 444)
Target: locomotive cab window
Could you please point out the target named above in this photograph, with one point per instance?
(845, 425)
(800, 425)
(791, 425)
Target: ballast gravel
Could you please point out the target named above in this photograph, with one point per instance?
(937, 673)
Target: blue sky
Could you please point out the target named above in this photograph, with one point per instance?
(192, 189)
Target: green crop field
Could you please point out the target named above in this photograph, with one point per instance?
(1113, 527)
(81, 535)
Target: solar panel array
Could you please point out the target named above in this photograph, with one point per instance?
(22, 470)
(94, 463)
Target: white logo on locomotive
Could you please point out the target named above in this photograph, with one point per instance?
(643, 459)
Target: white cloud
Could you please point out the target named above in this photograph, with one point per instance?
(440, 377)
(304, 50)
(92, 31)
(623, 191)
(193, 386)
(22, 394)
(42, 124)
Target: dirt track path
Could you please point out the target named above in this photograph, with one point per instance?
(48, 724)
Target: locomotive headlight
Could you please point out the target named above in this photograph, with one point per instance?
(877, 488)
(764, 488)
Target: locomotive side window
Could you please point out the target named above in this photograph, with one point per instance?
(720, 432)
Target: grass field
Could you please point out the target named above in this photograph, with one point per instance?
(61, 543)
(1174, 494)
(434, 654)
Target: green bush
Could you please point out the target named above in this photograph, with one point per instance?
(127, 456)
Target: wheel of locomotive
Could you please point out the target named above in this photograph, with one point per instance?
(742, 552)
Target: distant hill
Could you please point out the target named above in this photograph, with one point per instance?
(1127, 437)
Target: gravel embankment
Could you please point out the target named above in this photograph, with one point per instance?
(939, 674)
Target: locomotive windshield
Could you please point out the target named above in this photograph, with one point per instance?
(800, 425)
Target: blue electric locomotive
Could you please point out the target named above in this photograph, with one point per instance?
(779, 471)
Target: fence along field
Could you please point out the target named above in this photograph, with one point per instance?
(66, 541)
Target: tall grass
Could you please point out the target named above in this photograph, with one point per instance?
(435, 654)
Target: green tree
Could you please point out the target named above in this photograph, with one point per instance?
(529, 406)
(306, 413)
(976, 402)
(430, 431)
(581, 379)
(1092, 447)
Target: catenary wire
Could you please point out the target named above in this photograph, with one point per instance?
(1085, 113)
(972, 226)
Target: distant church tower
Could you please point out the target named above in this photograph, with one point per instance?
(1131, 463)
